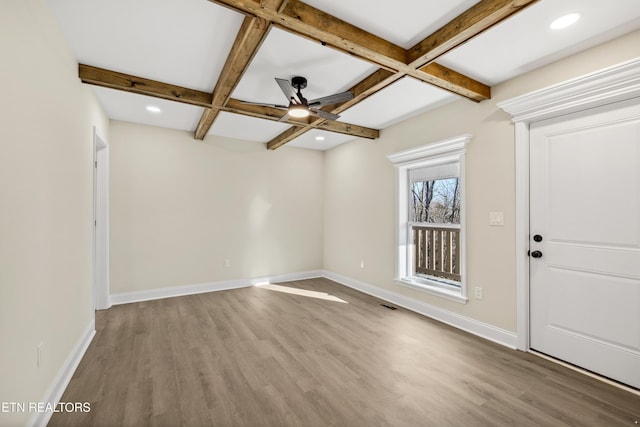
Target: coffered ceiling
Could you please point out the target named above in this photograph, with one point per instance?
(197, 60)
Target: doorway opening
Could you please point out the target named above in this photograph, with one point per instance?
(101, 299)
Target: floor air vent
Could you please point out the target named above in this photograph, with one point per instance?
(388, 306)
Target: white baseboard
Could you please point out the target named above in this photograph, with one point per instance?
(61, 381)
(199, 288)
(481, 329)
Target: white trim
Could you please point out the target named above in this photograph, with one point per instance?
(199, 288)
(522, 233)
(446, 146)
(613, 84)
(432, 287)
(475, 327)
(61, 381)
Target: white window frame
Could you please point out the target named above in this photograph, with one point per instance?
(432, 154)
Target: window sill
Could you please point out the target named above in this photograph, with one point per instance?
(433, 288)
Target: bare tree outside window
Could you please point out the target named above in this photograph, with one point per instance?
(436, 202)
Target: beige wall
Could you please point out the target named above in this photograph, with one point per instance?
(360, 190)
(180, 207)
(46, 208)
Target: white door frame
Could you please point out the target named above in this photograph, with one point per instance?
(101, 293)
(613, 84)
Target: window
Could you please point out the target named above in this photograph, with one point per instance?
(430, 218)
(434, 227)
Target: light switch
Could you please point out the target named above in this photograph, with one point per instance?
(496, 218)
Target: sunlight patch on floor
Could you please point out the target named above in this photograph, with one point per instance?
(302, 292)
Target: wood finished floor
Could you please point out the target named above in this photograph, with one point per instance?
(258, 357)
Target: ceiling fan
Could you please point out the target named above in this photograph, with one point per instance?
(299, 106)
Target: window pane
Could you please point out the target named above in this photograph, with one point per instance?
(436, 201)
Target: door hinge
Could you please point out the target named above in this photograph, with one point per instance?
(95, 164)
(95, 223)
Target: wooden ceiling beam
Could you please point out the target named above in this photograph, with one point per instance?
(349, 129)
(271, 113)
(310, 22)
(307, 21)
(313, 23)
(289, 135)
(371, 84)
(448, 79)
(302, 18)
(249, 38)
(261, 112)
(418, 62)
(126, 82)
(133, 84)
(474, 21)
(332, 126)
(277, 5)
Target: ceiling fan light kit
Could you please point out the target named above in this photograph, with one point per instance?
(298, 110)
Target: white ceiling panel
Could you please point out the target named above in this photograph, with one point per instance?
(526, 42)
(404, 23)
(285, 55)
(403, 99)
(247, 128)
(181, 42)
(131, 107)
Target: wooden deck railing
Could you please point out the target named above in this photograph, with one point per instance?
(437, 250)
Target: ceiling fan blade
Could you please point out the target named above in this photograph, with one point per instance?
(331, 99)
(284, 118)
(288, 90)
(324, 114)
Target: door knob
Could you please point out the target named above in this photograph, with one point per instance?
(537, 238)
(536, 254)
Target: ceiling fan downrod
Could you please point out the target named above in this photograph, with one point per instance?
(299, 83)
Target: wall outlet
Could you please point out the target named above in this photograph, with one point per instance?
(478, 292)
(227, 263)
(362, 264)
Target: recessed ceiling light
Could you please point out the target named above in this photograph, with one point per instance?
(319, 138)
(565, 21)
(153, 109)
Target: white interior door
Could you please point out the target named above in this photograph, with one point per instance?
(585, 208)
